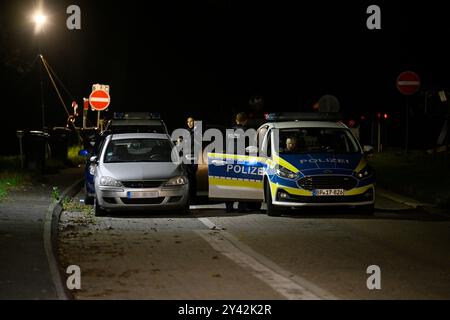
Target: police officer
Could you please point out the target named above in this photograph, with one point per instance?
(192, 165)
(239, 128)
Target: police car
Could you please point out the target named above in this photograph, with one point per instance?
(301, 160)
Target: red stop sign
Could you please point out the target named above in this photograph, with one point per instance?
(99, 100)
(408, 83)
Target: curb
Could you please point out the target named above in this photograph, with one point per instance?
(50, 240)
(401, 199)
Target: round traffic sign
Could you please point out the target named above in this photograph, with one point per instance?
(328, 103)
(408, 83)
(99, 100)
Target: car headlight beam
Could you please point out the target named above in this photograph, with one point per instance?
(177, 181)
(286, 173)
(366, 172)
(110, 182)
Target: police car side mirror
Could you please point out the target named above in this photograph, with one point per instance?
(251, 150)
(93, 159)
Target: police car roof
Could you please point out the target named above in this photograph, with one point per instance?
(308, 124)
(119, 136)
(136, 122)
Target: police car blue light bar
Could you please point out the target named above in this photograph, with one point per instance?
(303, 116)
(137, 115)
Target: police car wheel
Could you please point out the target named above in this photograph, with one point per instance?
(272, 210)
(98, 211)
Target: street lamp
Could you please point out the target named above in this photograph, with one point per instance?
(40, 19)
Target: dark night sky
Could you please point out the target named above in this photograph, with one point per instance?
(206, 58)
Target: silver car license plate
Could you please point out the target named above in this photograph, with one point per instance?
(142, 194)
(328, 192)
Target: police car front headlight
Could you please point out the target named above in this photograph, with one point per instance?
(110, 182)
(366, 172)
(286, 173)
(177, 181)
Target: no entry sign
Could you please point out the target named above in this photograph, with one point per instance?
(408, 83)
(99, 100)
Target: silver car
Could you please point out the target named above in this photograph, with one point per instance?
(139, 171)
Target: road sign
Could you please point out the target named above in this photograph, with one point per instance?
(408, 83)
(99, 86)
(328, 103)
(75, 108)
(85, 104)
(99, 100)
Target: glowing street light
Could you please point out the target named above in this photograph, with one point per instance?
(39, 19)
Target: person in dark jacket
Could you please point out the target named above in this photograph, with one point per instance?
(192, 166)
(241, 123)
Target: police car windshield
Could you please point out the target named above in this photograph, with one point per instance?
(138, 150)
(317, 140)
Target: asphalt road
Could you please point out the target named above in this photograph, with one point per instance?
(210, 254)
(25, 272)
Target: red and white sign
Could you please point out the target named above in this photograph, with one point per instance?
(75, 108)
(85, 104)
(99, 100)
(408, 83)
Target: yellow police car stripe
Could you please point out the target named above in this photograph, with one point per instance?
(284, 163)
(295, 191)
(362, 164)
(302, 192)
(235, 183)
(356, 191)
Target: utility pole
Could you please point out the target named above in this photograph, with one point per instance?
(42, 90)
(407, 126)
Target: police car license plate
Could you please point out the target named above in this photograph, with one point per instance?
(328, 192)
(142, 194)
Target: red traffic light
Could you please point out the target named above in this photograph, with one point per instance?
(384, 116)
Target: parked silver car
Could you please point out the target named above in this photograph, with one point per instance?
(139, 171)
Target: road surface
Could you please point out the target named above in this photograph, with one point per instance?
(314, 254)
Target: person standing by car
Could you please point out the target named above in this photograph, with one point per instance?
(192, 164)
(239, 133)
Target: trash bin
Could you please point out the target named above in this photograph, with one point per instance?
(59, 143)
(35, 150)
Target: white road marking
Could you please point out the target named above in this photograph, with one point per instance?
(208, 223)
(289, 285)
(99, 99)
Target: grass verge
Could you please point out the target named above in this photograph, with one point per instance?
(10, 180)
(73, 157)
(417, 174)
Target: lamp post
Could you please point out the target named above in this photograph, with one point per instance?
(40, 20)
